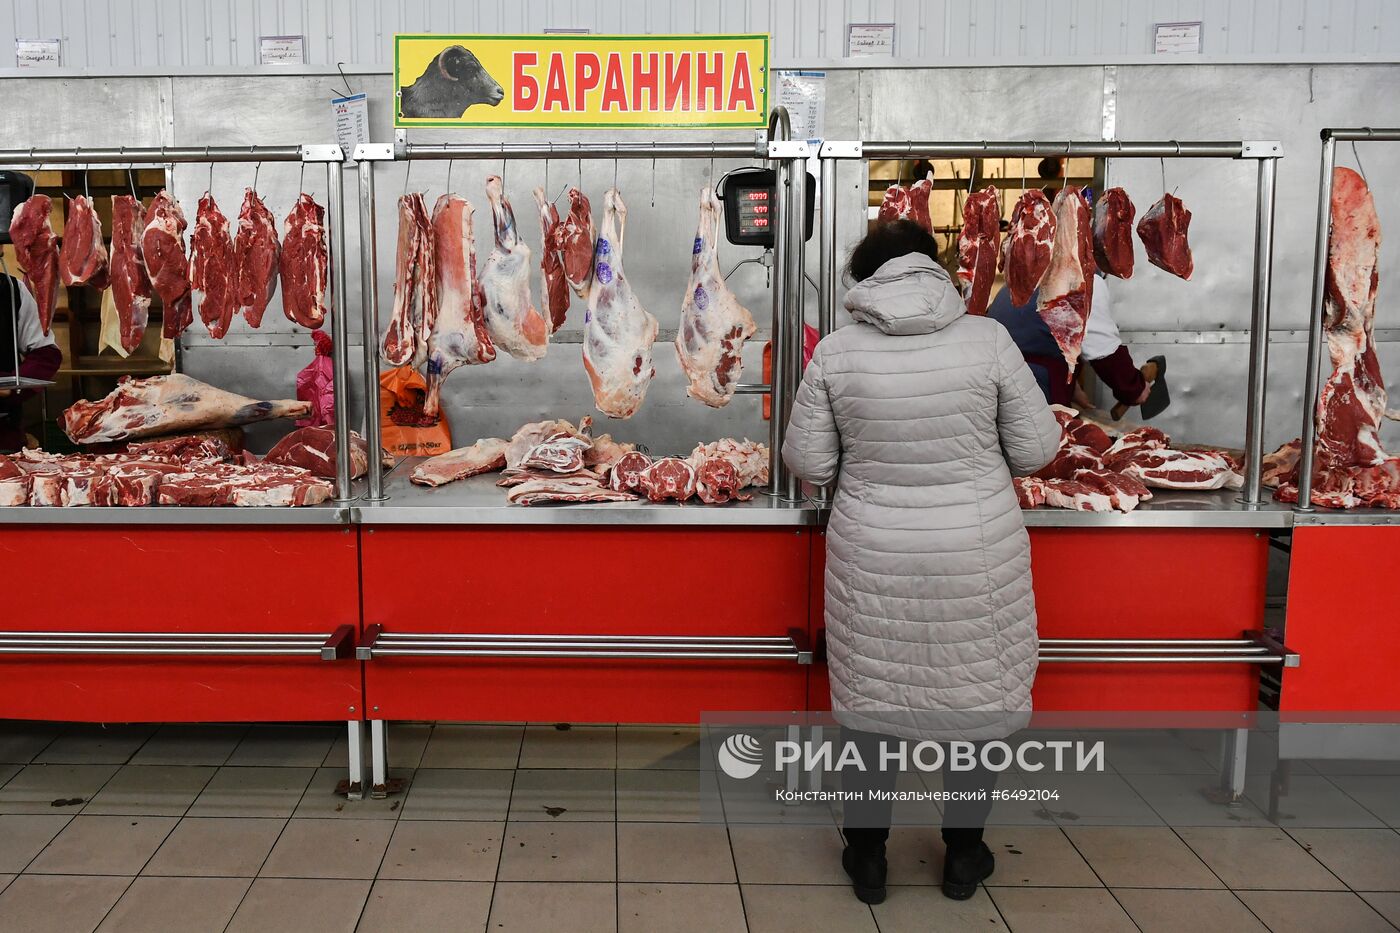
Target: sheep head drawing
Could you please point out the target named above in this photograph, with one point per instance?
(453, 81)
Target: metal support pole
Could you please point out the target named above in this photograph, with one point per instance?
(826, 268)
(340, 330)
(1259, 332)
(379, 758)
(779, 130)
(369, 307)
(1308, 437)
(355, 786)
(1234, 758)
(794, 302)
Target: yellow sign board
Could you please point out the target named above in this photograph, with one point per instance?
(581, 80)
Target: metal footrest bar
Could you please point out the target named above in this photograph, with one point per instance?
(791, 647)
(1256, 647)
(337, 645)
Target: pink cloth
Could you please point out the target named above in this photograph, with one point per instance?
(316, 384)
(810, 336)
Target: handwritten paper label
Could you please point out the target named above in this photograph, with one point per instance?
(37, 53)
(351, 121)
(870, 40)
(281, 50)
(1177, 39)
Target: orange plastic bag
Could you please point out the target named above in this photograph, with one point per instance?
(406, 431)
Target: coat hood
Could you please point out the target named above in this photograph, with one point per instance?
(910, 294)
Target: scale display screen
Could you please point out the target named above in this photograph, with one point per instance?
(748, 195)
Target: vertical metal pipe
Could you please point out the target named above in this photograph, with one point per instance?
(826, 268)
(340, 331)
(779, 130)
(1308, 437)
(795, 300)
(369, 308)
(1259, 331)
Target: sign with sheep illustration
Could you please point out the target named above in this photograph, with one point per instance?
(581, 80)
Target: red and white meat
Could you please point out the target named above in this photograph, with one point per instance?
(978, 246)
(574, 240)
(714, 325)
(909, 202)
(415, 282)
(618, 332)
(516, 325)
(1029, 242)
(256, 254)
(1163, 231)
(1066, 292)
(139, 408)
(485, 456)
(131, 287)
(459, 336)
(83, 257)
(1113, 233)
(305, 264)
(163, 251)
(213, 268)
(36, 247)
(554, 287)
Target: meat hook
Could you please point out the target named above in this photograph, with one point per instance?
(256, 169)
(653, 179)
(712, 163)
(301, 179)
(615, 150)
(210, 189)
(407, 169)
(449, 173)
(503, 165)
(1357, 156)
(546, 168)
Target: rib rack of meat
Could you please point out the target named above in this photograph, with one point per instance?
(131, 288)
(459, 336)
(255, 258)
(565, 489)
(574, 240)
(1026, 251)
(83, 258)
(554, 286)
(305, 264)
(978, 246)
(909, 202)
(36, 247)
(714, 326)
(1113, 233)
(1067, 289)
(163, 251)
(618, 331)
(485, 456)
(1350, 467)
(413, 278)
(1163, 233)
(164, 405)
(213, 268)
(515, 323)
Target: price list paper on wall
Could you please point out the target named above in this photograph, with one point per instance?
(581, 80)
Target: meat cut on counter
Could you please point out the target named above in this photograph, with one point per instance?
(459, 336)
(979, 244)
(1113, 233)
(180, 471)
(485, 456)
(163, 251)
(554, 286)
(1351, 468)
(1029, 242)
(618, 331)
(1066, 291)
(314, 449)
(714, 325)
(82, 260)
(256, 256)
(516, 325)
(305, 264)
(170, 404)
(213, 268)
(909, 202)
(36, 247)
(1163, 231)
(131, 287)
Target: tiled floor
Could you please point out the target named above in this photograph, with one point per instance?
(511, 827)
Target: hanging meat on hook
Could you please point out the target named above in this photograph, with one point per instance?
(36, 247)
(1066, 291)
(618, 331)
(163, 250)
(212, 267)
(83, 258)
(909, 203)
(574, 239)
(1163, 232)
(714, 326)
(255, 255)
(131, 288)
(459, 336)
(555, 288)
(414, 282)
(1113, 233)
(516, 325)
(1026, 252)
(306, 264)
(978, 246)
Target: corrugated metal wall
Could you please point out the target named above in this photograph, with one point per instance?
(118, 35)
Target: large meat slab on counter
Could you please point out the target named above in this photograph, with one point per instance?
(714, 325)
(181, 471)
(1350, 468)
(1096, 472)
(166, 405)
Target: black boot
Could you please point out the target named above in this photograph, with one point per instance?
(864, 861)
(965, 867)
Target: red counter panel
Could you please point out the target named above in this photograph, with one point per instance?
(1343, 612)
(1140, 583)
(569, 579)
(179, 579)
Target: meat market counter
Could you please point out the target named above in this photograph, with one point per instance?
(326, 513)
(1218, 508)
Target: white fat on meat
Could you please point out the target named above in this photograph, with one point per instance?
(170, 404)
(484, 456)
(516, 325)
(618, 332)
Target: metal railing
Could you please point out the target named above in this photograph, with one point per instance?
(1255, 647)
(334, 646)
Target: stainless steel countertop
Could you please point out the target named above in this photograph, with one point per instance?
(1218, 508)
(479, 501)
(327, 513)
(1321, 516)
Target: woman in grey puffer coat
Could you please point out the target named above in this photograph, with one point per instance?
(921, 414)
